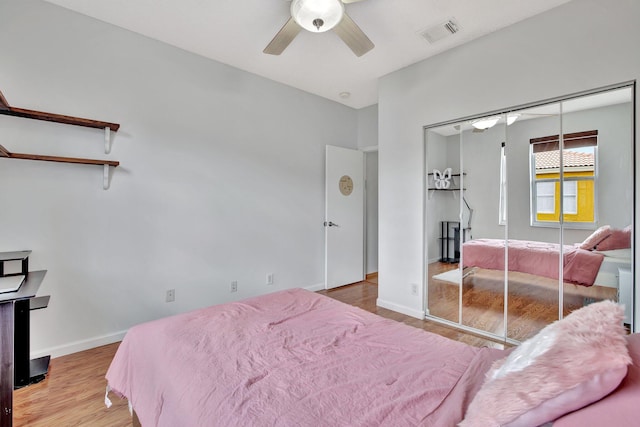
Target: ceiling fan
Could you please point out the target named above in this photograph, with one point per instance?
(482, 124)
(318, 16)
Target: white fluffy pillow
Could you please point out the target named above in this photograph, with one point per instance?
(569, 364)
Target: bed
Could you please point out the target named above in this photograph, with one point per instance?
(580, 266)
(297, 358)
(596, 260)
(612, 262)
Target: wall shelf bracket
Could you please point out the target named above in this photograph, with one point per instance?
(107, 140)
(106, 178)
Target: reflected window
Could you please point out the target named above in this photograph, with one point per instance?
(576, 196)
(570, 197)
(545, 198)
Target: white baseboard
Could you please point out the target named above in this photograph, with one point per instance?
(315, 288)
(418, 314)
(76, 346)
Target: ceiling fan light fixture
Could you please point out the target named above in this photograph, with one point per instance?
(317, 16)
(512, 118)
(485, 123)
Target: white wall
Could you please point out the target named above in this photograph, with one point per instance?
(541, 58)
(368, 127)
(221, 176)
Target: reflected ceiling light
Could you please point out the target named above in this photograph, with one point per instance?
(485, 123)
(512, 118)
(317, 16)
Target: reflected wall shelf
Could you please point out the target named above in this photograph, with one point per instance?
(8, 110)
(455, 185)
(453, 174)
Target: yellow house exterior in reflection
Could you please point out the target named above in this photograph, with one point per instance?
(579, 194)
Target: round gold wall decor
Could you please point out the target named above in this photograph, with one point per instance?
(346, 185)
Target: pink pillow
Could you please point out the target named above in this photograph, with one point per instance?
(619, 239)
(620, 408)
(567, 365)
(596, 237)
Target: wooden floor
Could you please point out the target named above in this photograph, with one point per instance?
(73, 392)
(532, 300)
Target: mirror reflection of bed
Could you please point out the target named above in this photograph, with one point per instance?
(512, 180)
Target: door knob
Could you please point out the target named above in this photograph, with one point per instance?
(330, 224)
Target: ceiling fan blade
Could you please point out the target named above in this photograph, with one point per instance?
(353, 36)
(285, 36)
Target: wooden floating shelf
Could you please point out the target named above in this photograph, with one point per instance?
(58, 118)
(4, 105)
(8, 155)
(8, 110)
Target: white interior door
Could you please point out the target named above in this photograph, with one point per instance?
(344, 217)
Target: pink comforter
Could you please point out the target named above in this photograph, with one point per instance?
(294, 358)
(580, 266)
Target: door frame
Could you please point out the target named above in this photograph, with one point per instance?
(365, 150)
(328, 220)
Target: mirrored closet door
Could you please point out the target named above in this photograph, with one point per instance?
(483, 296)
(532, 221)
(528, 214)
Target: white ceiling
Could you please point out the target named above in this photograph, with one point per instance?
(235, 32)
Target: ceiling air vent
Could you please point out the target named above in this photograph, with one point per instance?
(440, 31)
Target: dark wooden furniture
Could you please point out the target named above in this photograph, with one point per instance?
(16, 370)
(450, 235)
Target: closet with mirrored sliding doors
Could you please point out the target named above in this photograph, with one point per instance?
(529, 213)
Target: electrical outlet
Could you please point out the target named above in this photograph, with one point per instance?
(414, 289)
(234, 286)
(171, 295)
(269, 278)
